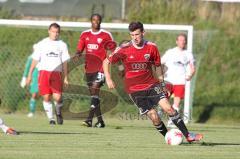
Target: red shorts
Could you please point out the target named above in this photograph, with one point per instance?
(177, 90)
(49, 82)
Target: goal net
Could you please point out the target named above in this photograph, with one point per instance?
(18, 37)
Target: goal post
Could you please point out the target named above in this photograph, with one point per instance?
(119, 26)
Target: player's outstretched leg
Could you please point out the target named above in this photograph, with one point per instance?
(177, 120)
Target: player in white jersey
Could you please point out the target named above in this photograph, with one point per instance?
(180, 68)
(51, 56)
(7, 130)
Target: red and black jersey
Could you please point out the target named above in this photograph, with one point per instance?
(93, 43)
(138, 63)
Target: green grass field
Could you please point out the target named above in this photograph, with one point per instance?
(121, 139)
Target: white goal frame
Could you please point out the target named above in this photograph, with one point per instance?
(185, 28)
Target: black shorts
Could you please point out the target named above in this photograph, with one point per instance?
(97, 77)
(147, 99)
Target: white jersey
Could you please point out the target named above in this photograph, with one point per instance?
(177, 61)
(51, 54)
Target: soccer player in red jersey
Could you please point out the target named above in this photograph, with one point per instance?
(51, 55)
(141, 60)
(94, 41)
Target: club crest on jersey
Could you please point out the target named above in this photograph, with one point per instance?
(131, 57)
(99, 40)
(87, 38)
(147, 56)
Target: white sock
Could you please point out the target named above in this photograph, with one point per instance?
(4, 128)
(48, 109)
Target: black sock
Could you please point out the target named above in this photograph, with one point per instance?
(177, 120)
(91, 113)
(96, 101)
(161, 128)
(98, 113)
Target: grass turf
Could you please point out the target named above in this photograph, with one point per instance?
(121, 139)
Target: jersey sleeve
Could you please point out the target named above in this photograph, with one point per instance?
(81, 43)
(37, 53)
(109, 43)
(164, 57)
(116, 56)
(110, 37)
(156, 56)
(65, 53)
(190, 58)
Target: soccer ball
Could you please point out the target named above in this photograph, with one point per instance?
(174, 137)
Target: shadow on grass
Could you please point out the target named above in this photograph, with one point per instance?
(210, 144)
(55, 133)
(208, 110)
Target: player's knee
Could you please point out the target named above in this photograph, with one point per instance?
(170, 111)
(95, 101)
(58, 103)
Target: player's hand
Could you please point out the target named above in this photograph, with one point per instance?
(164, 89)
(65, 82)
(188, 78)
(110, 83)
(76, 58)
(28, 80)
(23, 82)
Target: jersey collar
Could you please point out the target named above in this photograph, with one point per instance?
(95, 33)
(139, 47)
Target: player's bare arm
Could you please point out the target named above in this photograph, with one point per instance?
(158, 72)
(192, 72)
(109, 81)
(65, 73)
(29, 78)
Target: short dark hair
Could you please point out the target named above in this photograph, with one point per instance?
(182, 34)
(135, 25)
(98, 15)
(55, 25)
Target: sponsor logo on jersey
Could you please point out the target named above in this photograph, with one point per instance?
(139, 66)
(131, 57)
(92, 46)
(52, 54)
(147, 56)
(99, 40)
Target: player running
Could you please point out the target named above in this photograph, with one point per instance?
(141, 59)
(51, 56)
(94, 41)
